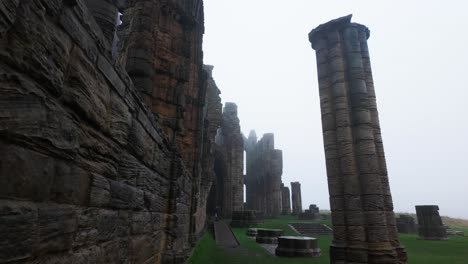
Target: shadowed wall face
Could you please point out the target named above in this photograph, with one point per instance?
(360, 200)
(230, 163)
(430, 226)
(88, 172)
(264, 171)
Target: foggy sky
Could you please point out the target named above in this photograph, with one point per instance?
(419, 54)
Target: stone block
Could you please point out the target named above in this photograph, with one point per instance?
(18, 232)
(26, 174)
(111, 75)
(141, 223)
(100, 192)
(124, 196)
(57, 225)
(86, 90)
(141, 142)
(71, 185)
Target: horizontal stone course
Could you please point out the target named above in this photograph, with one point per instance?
(88, 175)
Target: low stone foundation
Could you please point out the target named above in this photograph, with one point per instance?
(268, 236)
(291, 246)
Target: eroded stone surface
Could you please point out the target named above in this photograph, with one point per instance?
(430, 226)
(229, 164)
(361, 204)
(285, 199)
(263, 179)
(296, 198)
(406, 224)
(106, 157)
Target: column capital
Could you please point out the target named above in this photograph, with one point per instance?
(334, 25)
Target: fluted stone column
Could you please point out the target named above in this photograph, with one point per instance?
(360, 200)
(296, 198)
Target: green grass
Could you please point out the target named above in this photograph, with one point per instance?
(453, 251)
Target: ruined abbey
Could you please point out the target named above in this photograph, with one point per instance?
(116, 148)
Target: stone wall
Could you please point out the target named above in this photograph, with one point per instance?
(405, 224)
(88, 173)
(229, 163)
(263, 178)
(212, 114)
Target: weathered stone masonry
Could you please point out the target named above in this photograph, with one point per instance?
(286, 199)
(430, 226)
(296, 198)
(360, 200)
(229, 163)
(88, 173)
(263, 179)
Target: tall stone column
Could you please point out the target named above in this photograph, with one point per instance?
(360, 200)
(231, 148)
(296, 198)
(286, 199)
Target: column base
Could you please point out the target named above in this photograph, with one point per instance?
(343, 255)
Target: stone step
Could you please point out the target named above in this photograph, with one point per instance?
(311, 228)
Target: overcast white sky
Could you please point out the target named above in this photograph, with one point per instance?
(419, 53)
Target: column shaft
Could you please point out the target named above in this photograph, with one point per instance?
(360, 199)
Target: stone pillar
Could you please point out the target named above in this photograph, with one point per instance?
(105, 13)
(251, 192)
(286, 199)
(231, 148)
(296, 198)
(360, 200)
(430, 226)
(264, 170)
(274, 197)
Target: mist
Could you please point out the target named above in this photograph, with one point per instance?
(264, 63)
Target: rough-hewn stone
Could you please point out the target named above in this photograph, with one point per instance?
(296, 198)
(361, 204)
(106, 157)
(430, 226)
(312, 213)
(229, 164)
(263, 178)
(294, 246)
(286, 199)
(405, 224)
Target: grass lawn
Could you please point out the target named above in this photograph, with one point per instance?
(453, 251)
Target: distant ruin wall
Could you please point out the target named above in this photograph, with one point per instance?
(430, 226)
(264, 170)
(229, 163)
(87, 173)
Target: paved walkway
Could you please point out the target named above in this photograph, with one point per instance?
(224, 236)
